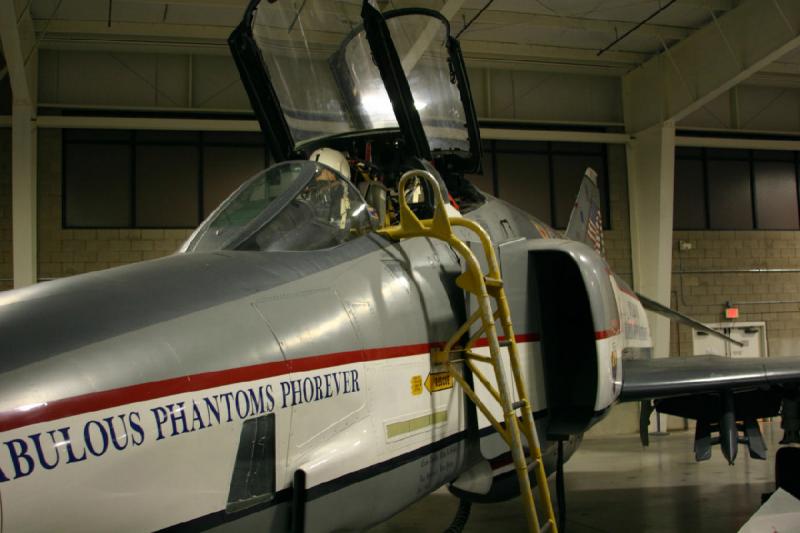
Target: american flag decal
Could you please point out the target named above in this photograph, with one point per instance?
(594, 230)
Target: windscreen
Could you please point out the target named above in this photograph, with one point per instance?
(236, 215)
(326, 212)
(292, 206)
(421, 43)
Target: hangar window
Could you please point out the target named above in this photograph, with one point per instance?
(97, 188)
(153, 179)
(736, 189)
(541, 177)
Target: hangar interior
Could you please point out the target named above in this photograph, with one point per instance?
(123, 123)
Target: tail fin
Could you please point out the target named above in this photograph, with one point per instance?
(586, 221)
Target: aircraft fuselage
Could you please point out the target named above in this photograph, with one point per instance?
(187, 391)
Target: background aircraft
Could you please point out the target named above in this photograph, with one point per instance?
(278, 372)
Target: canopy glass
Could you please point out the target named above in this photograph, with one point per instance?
(292, 206)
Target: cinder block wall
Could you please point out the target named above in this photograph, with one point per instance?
(704, 295)
(66, 252)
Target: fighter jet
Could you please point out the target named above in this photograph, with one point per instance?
(284, 371)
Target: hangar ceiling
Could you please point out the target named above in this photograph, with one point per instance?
(538, 33)
(533, 36)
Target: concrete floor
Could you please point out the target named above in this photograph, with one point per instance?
(613, 484)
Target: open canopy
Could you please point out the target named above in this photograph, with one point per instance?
(316, 69)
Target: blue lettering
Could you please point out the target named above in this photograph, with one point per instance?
(178, 419)
(327, 385)
(336, 382)
(354, 378)
(87, 438)
(308, 390)
(228, 396)
(212, 408)
(18, 449)
(285, 390)
(37, 442)
(318, 387)
(242, 410)
(270, 399)
(296, 392)
(71, 457)
(257, 400)
(160, 414)
(197, 419)
(136, 426)
(110, 423)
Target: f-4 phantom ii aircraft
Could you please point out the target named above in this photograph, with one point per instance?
(311, 359)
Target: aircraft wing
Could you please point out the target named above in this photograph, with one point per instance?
(726, 396)
(647, 379)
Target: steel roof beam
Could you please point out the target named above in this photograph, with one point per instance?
(60, 33)
(690, 74)
(536, 20)
(18, 38)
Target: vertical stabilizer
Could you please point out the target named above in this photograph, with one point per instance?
(586, 221)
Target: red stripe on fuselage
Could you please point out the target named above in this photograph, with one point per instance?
(606, 333)
(97, 401)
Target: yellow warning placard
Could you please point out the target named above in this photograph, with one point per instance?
(416, 385)
(439, 381)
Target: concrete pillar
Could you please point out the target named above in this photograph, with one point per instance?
(23, 193)
(19, 49)
(651, 178)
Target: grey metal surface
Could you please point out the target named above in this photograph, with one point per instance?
(54, 317)
(675, 376)
(173, 317)
(355, 505)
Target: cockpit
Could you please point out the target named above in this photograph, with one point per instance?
(387, 90)
(291, 206)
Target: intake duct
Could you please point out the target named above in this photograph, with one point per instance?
(567, 340)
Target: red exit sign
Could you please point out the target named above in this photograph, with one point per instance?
(731, 313)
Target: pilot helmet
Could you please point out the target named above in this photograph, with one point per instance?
(332, 158)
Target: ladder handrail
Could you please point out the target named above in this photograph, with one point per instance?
(483, 287)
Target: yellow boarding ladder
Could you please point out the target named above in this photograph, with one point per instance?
(484, 288)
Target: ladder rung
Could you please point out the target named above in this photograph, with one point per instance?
(518, 405)
(533, 464)
(476, 357)
(546, 527)
(505, 343)
(492, 282)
